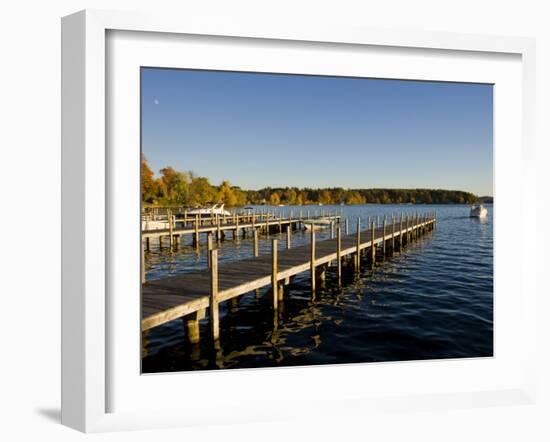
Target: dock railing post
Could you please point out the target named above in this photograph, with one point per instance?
(401, 232)
(210, 247)
(392, 234)
(339, 251)
(332, 230)
(384, 237)
(347, 226)
(214, 310)
(170, 229)
(255, 242)
(197, 231)
(274, 283)
(142, 262)
(358, 246)
(373, 248)
(288, 236)
(267, 225)
(312, 258)
(424, 223)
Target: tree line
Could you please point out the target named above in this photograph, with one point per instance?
(177, 188)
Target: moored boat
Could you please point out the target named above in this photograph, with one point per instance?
(150, 224)
(478, 211)
(216, 209)
(316, 224)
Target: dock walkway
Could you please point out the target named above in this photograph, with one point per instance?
(189, 295)
(219, 226)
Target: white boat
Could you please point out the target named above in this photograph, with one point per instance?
(478, 211)
(216, 209)
(149, 224)
(316, 224)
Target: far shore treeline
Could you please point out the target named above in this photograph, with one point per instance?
(174, 188)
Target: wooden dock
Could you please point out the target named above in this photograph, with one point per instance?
(189, 296)
(238, 224)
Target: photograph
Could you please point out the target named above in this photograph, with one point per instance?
(293, 220)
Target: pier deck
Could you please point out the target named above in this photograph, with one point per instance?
(190, 294)
(222, 225)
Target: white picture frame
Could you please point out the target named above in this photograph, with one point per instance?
(86, 353)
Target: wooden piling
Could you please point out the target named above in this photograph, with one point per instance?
(373, 247)
(392, 234)
(171, 229)
(384, 237)
(402, 227)
(197, 231)
(339, 251)
(312, 259)
(209, 247)
(347, 227)
(358, 246)
(255, 242)
(142, 263)
(288, 237)
(274, 284)
(214, 309)
(192, 327)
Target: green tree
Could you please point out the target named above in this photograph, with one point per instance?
(147, 182)
(289, 196)
(201, 192)
(226, 194)
(274, 199)
(325, 197)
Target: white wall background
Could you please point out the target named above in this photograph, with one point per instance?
(29, 192)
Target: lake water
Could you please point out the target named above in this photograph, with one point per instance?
(432, 301)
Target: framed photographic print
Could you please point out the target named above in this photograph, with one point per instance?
(250, 212)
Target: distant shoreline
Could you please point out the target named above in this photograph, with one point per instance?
(177, 188)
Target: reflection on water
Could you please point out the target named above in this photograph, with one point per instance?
(434, 300)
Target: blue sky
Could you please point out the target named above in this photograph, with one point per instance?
(259, 130)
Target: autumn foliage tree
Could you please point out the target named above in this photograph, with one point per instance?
(177, 188)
